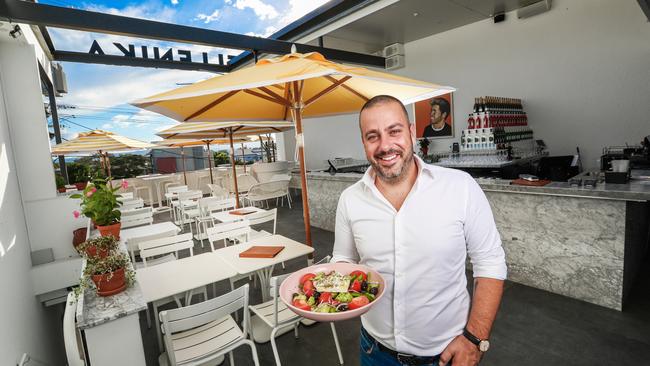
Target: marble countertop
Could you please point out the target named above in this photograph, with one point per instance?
(636, 190)
(93, 310)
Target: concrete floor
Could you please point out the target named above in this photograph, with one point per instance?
(533, 327)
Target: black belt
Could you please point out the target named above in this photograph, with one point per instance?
(404, 358)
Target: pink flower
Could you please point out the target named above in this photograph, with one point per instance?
(76, 214)
(91, 191)
(125, 184)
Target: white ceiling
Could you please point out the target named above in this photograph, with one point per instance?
(409, 20)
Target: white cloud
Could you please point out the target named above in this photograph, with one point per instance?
(107, 126)
(228, 2)
(209, 18)
(174, 2)
(262, 10)
(298, 9)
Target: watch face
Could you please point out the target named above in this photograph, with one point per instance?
(484, 345)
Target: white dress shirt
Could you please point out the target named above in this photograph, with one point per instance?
(420, 251)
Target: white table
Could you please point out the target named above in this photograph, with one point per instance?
(226, 216)
(146, 230)
(175, 277)
(263, 266)
(157, 179)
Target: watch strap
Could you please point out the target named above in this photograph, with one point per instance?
(471, 337)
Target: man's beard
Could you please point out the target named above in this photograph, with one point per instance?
(385, 174)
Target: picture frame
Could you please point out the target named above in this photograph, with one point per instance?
(443, 107)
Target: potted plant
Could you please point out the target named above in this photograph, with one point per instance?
(424, 146)
(99, 203)
(109, 275)
(100, 246)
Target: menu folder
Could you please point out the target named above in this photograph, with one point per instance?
(260, 251)
(241, 212)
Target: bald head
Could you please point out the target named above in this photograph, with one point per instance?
(382, 100)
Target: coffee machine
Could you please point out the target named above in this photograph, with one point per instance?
(637, 155)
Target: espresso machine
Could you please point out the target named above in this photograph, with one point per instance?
(614, 157)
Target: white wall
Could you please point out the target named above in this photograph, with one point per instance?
(582, 70)
(26, 325)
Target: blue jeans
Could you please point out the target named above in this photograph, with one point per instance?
(372, 355)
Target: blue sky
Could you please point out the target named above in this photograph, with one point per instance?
(100, 93)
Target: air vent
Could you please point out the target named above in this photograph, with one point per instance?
(534, 9)
(394, 50)
(395, 62)
(60, 82)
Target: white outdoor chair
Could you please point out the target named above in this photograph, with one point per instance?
(275, 315)
(201, 333)
(157, 251)
(186, 207)
(218, 191)
(131, 204)
(133, 244)
(202, 183)
(262, 192)
(137, 217)
(171, 195)
(126, 196)
(73, 348)
(141, 190)
(238, 231)
(207, 206)
(174, 180)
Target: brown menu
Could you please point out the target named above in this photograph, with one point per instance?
(537, 183)
(241, 212)
(261, 251)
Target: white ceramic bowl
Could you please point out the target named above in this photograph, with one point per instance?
(290, 286)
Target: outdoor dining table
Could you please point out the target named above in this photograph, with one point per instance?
(181, 275)
(157, 179)
(145, 230)
(263, 266)
(228, 216)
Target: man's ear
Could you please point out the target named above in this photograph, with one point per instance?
(412, 130)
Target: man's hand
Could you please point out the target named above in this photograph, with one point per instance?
(462, 352)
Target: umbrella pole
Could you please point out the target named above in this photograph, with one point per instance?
(210, 162)
(183, 163)
(262, 148)
(108, 165)
(234, 169)
(297, 117)
(243, 157)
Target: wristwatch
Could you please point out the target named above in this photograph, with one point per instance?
(482, 344)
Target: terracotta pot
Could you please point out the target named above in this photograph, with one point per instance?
(79, 236)
(92, 251)
(110, 230)
(110, 286)
(81, 186)
(61, 190)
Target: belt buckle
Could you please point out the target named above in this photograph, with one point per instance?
(406, 359)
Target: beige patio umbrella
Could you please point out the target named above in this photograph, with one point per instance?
(289, 87)
(166, 144)
(101, 142)
(224, 130)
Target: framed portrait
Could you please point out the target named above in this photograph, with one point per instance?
(434, 118)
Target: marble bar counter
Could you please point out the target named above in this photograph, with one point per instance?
(583, 243)
(112, 323)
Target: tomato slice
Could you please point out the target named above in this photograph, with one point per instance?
(305, 277)
(325, 297)
(358, 302)
(301, 304)
(360, 275)
(355, 286)
(308, 288)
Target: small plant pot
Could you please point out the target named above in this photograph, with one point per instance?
(92, 252)
(110, 283)
(81, 186)
(110, 230)
(79, 236)
(61, 190)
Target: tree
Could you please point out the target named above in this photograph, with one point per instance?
(221, 157)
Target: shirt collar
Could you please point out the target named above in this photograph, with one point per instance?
(369, 177)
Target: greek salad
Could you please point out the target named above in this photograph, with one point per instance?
(334, 292)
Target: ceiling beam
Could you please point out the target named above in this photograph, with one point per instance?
(82, 20)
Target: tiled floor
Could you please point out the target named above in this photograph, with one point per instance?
(533, 327)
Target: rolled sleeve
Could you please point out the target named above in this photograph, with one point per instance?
(482, 237)
(344, 247)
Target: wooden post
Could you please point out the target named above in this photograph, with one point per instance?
(210, 162)
(183, 163)
(263, 150)
(297, 118)
(234, 169)
(243, 157)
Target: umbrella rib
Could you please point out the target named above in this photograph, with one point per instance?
(209, 106)
(275, 95)
(287, 92)
(266, 97)
(348, 88)
(335, 84)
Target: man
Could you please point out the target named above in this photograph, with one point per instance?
(415, 223)
(440, 110)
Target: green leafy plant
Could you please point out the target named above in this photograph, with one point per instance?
(99, 202)
(105, 266)
(221, 157)
(107, 244)
(60, 182)
(78, 172)
(424, 143)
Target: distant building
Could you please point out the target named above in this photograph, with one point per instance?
(170, 160)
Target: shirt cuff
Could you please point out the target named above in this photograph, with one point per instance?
(341, 258)
(498, 271)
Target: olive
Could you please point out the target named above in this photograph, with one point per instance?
(343, 307)
(364, 286)
(374, 290)
(316, 295)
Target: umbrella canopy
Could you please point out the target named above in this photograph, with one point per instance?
(232, 131)
(99, 141)
(289, 87)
